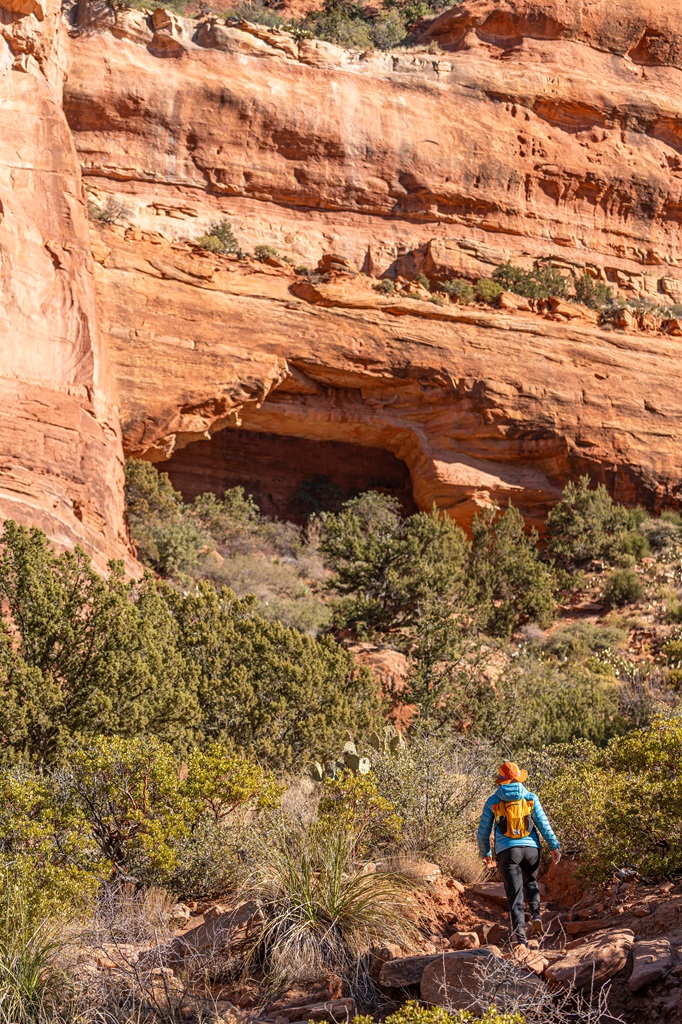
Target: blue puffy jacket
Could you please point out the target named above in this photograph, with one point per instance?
(514, 791)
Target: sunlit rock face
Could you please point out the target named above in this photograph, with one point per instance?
(539, 129)
(61, 462)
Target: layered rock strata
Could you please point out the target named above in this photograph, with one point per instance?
(546, 132)
(544, 128)
(60, 447)
(480, 404)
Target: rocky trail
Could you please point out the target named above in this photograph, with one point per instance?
(625, 941)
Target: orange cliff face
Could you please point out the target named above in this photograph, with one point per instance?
(539, 141)
(60, 447)
(543, 130)
(531, 143)
(479, 404)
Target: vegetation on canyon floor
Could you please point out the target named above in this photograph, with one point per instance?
(171, 732)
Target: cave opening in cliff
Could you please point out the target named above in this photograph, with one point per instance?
(289, 477)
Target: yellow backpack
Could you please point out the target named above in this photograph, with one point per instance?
(513, 817)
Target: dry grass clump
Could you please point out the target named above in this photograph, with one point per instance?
(322, 910)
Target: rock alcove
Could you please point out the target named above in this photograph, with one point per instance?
(290, 477)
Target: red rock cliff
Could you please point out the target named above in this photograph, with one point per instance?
(547, 128)
(545, 132)
(60, 447)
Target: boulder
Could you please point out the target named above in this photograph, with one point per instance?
(218, 933)
(576, 928)
(489, 933)
(407, 970)
(673, 326)
(650, 961)
(492, 891)
(380, 955)
(335, 1011)
(234, 40)
(465, 940)
(594, 962)
(320, 54)
(474, 979)
(625, 320)
(564, 310)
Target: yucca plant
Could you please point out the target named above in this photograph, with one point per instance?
(322, 911)
(29, 978)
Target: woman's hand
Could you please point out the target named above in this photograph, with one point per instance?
(489, 861)
(556, 856)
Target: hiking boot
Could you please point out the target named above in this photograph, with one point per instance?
(536, 927)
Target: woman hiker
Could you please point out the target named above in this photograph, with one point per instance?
(517, 817)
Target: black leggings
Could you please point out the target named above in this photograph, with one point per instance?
(519, 867)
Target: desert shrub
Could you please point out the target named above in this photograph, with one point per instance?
(341, 22)
(228, 518)
(412, 295)
(592, 293)
(510, 582)
(281, 593)
(265, 689)
(168, 539)
(353, 803)
(225, 540)
(388, 30)
(624, 801)
(460, 289)
(436, 300)
(111, 211)
(574, 787)
(412, 1012)
(487, 290)
(580, 640)
(634, 544)
(322, 912)
(133, 807)
(663, 533)
(548, 705)
(434, 784)
(585, 524)
(319, 493)
(264, 252)
(446, 686)
(622, 586)
(50, 866)
(539, 283)
(219, 238)
(672, 652)
(256, 10)
(344, 22)
(386, 567)
(129, 793)
(423, 280)
(33, 987)
(386, 286)
(81, 655)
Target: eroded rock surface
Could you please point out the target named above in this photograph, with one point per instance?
(550, 130)
(60, 448)
(547, 130)
(480, 404)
